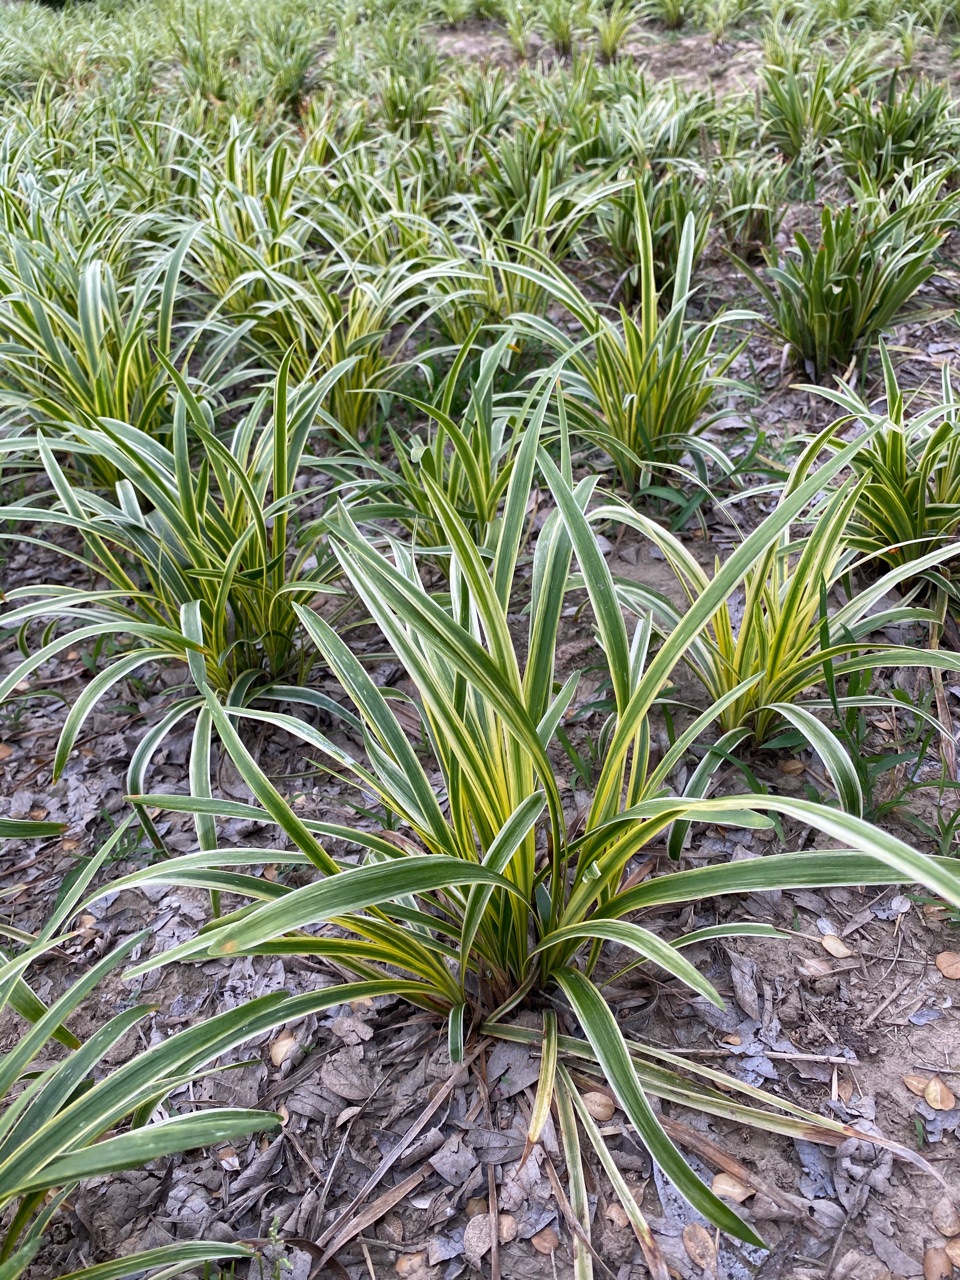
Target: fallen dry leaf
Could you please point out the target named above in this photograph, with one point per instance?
(939, 1095)
(948, 962)
(814, 967)
(839, 950)
(946, 1217)
(936, 1264)
(845, 1090)
(616, 1214)
(731, 1188)
(477, 1239)
(408, 1264)
(391, 1228)
(545, 1241)
(916, 1084)
(733, 1039)
(475, 1205)
(699, 1245)
(507, 1227)
(282, 1046)
(792, 766)
(600, 1106)
(952, 1250)
(6, 751)
(228, 1158)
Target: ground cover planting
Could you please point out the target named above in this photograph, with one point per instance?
(479, 660)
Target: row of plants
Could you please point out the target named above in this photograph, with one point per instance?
(498, 893)
(288, 352)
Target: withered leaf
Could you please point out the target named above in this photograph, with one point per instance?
(939, 1095)
(282, 1046)
(946, 1217)
(477, 1239)
(545, 1241)
(948, 962)
(936, 1264)
(916, 1084)
(699, 1245)
(838, 949)
(731, 1188)
(599, 1105)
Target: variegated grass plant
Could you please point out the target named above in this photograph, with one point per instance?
(200, 557)
(795, 618)
(487, 892)
(908, 503)
(82, 1117)
(642, 389)
(830, 303)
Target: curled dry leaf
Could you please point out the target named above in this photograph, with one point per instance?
(939, 1095)
(600, 1106)
(838, 949)
(936, 1264)
(946, 1217)
(916, 1084)
(699, 1245)
(731, 1188)
(282, 1046)
(952, 1250)
(545, 1241)
(948, 962)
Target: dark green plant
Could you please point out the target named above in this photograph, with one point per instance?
(908, 129)
(831, 303)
